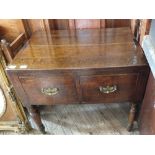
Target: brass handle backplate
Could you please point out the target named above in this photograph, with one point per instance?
(108, 89)
(50, 91)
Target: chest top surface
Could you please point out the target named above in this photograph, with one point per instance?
(79, 49)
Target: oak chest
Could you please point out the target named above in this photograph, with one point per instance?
(79, 66)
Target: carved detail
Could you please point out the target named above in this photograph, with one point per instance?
(3, 103)
(22, 124)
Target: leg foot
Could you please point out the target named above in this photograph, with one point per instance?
(130, 127)
(42, 129)
(35, 115)
(131, 117)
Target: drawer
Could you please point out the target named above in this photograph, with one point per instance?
(108, 88)
(51, 89)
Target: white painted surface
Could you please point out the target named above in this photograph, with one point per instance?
(23, 66)
(2, 103)
(11, 66)
(149, 50)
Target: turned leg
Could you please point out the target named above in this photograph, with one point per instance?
(35, 115)
(131, 116)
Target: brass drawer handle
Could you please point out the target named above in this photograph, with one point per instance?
(108, 89)
(50, 91)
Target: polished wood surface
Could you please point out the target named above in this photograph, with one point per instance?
(77, 49)
(125, 87)
(147, 115)
(65, 84)
(77, 63)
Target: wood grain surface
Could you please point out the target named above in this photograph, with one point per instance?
(147, 115)
(80, 49)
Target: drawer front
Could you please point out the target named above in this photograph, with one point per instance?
(110, 88)
(51, 89)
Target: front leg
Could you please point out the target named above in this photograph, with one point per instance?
(35, 115)
(131, 116)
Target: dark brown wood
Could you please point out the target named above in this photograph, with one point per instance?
(78, 49)
(87, 23)
(148, 25)
(126, 85)
(10, 50)
(33, 85)
(137, 31)
(35, 24)
(18, 43)
(59, 24)
(78, 62)
(10, 29)
(131, 116)
(27, 28)
(147, 114)
(113, 23)
(34, 113)
(140, 27)
(63, 24)
(8, 53)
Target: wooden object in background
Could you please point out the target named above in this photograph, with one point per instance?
(13, 117)
(87, 23)
(14, 32)
(81, 63)
(59, 24)
(143, 29)
(66, 24)
(147, 115)
(11, 29)
(10, 50)
(114, 23)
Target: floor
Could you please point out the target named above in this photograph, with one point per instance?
(86, 119)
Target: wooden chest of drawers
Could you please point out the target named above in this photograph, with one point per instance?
(79, 66)
(68, 87)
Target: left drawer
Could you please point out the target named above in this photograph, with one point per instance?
(48, 90)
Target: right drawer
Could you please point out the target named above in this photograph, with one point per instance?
(108, 88)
